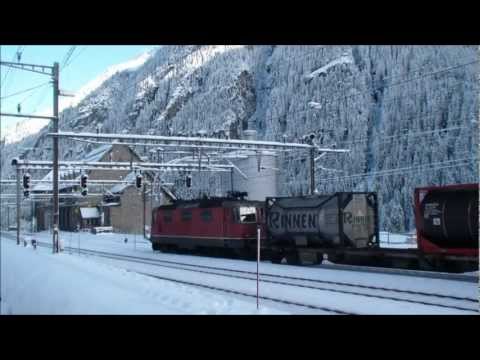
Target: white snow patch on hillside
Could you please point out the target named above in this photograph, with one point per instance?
(181, 91)
(24, 129)
(145, 85)
(94, 84)
(344, 59)
(315, 105)
(200, 57)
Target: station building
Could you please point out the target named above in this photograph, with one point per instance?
(122, 206)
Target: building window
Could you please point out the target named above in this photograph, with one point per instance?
(186, 215)
(206, 215)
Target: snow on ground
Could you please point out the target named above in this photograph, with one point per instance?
(38, 282)
(397, 241)
(140, 247)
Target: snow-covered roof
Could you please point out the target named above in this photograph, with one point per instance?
(63, 175)
(70, 174)
(169, 193)
(97, 153)
(118, 188)
(249, 153)
(130, 180)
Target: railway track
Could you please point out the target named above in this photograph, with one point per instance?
(392, 294)
(404, 272)
(379, 270)
(236, 292)
(467, 304)
(205, 286)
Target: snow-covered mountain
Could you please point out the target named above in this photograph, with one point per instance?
(29, 127)
(409, 114)
(94, 84)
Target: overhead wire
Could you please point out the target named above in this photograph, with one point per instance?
(25, 90)
(67, 56)
(408, 80)
(19, 50)
(75, 57)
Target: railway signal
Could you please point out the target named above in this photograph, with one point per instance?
(26, 185)
(138, 181)
(26, 181)
(188, 181)
(83, 181)
(83, 184)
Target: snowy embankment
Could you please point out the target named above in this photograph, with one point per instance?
(328, 292)
(38, 282)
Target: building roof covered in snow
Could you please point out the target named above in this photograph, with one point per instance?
(130, 181)
(95, 155)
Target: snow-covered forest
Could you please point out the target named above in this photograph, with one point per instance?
(409, 114)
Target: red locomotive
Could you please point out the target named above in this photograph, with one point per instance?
(209, 225)
(447, 222)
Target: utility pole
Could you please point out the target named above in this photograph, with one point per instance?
(312, 170)
(56, 214)
(18, 206)
(33, 214)
(54, 73)
(144, 195)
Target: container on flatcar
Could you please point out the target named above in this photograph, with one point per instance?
(447, 219)
(339, 220)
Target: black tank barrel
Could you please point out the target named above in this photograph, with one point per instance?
(449, 218)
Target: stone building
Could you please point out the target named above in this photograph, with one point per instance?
(122, 206)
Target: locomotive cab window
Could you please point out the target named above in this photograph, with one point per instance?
(246, 214)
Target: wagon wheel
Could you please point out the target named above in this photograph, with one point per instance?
(276, 257)
(293, 258)
(336, 258)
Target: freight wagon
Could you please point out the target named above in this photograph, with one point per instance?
(306, 228)
(446, 220)
(342, 227)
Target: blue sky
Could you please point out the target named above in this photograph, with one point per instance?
(86, 63)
